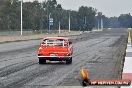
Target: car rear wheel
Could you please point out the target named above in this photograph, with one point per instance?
(69, 61)
(42, 61)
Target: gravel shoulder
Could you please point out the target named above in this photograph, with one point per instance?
(4, 39)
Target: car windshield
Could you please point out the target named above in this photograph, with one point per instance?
(54, 43)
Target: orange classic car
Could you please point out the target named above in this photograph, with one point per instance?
(55, 49)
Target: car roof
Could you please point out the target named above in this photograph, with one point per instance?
(64, 38)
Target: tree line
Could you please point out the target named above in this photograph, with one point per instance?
(123, 21)
(36, 16)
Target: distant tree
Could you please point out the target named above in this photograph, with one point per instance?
(125, 20)
(59, 6)
(86, 17)
(9, 15)
(54, 3)
(35, 15)
(113, 22)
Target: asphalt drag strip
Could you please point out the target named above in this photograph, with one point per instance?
(101, 53)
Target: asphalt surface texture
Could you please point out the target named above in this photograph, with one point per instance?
(101, 53)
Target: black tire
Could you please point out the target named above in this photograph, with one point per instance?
(85, 82)
(42, 61)
(69, 61)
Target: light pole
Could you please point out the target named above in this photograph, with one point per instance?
(101, 23)
(98, 23)
(85, 23)
(85, 20)
(59, 27)
(69, 22)
(21, 16)
(49, 21)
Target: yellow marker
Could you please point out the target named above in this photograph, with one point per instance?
(83, 72)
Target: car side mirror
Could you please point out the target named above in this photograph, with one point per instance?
(70, 43)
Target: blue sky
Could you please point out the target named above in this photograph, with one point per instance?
(108, 7)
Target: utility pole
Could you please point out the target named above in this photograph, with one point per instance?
(49, 21)
(85, 20)
(85, 23)
(21, 16)
(69, 22)
(41, 20)
(59, 27)
(98, 24)
(101, 23)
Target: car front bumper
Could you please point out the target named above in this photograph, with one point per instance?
(54, 58)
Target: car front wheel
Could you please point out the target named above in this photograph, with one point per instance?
(69, 61)
(42, 61)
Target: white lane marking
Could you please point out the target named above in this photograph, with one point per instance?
(128, 61)
(127, 65)
(129, 50)
(129, 45)
(126, 87)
